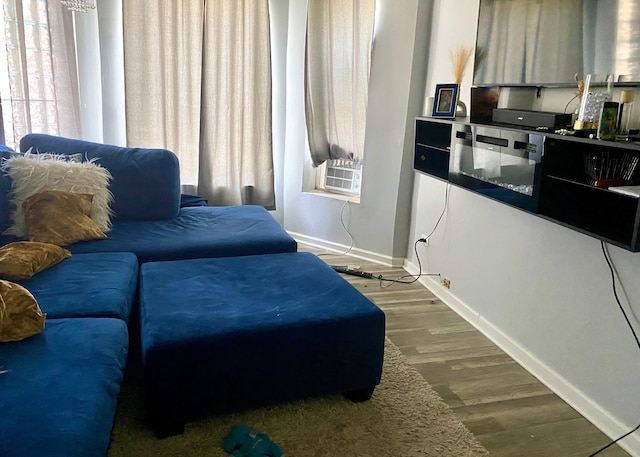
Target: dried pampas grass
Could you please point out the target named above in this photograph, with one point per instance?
(459, 60)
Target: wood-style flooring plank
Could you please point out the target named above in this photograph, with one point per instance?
(507, 408)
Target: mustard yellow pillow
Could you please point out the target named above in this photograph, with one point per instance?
(60, 218)
(20, 315)
(23, 259)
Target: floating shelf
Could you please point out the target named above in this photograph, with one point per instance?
(549, 175)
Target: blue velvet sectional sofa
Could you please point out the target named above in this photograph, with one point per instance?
(59, 388)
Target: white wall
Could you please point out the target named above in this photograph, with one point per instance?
(379, 223)
(541, 291)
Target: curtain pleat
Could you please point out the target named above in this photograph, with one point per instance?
(236, 104)
(65, 70)
(339, 36)
(39, 81)
(198, 82)
(163, 77)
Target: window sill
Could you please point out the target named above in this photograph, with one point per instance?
(334, 195)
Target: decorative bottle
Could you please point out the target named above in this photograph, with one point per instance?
(626, 106)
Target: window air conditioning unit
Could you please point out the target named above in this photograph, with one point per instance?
(343, 176)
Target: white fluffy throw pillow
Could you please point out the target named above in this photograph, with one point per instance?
(34, 173)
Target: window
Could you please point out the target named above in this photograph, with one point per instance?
(339, 37)
(38, 77)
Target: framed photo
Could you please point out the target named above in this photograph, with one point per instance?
(445, 100)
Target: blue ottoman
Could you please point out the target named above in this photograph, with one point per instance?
(231, 333)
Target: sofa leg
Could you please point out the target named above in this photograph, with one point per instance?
(359, 395)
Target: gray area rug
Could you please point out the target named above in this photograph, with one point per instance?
(404, 418)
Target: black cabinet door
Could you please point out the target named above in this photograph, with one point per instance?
(431, 152)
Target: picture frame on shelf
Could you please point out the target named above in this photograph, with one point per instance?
(445, 100)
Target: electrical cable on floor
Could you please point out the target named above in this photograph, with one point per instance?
(363, 274)
(415, 248)
(344, 226)
(401, 279)
(615, 441)
(635, 336)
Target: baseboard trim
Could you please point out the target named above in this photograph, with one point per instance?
(573, 396)
(336, 248)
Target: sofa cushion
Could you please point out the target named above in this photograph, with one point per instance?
(23, 259)
(146, 182)
(59, 391)
(20, 316)
(34, 173)
(88, 285)
(60, 218)
(201, 231)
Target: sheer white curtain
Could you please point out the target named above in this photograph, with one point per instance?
(339, 36)
(163, 76)
(38, 75)
(198, 82)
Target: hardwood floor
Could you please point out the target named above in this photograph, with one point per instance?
(508, 409)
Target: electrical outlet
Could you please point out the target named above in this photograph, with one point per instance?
(446, 282)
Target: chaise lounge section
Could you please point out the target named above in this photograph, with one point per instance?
(148, 218)
(59, 393)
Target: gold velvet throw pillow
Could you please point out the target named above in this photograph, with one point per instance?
(23, 259)
(60, 218)
(20, 315)
(34, 173)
